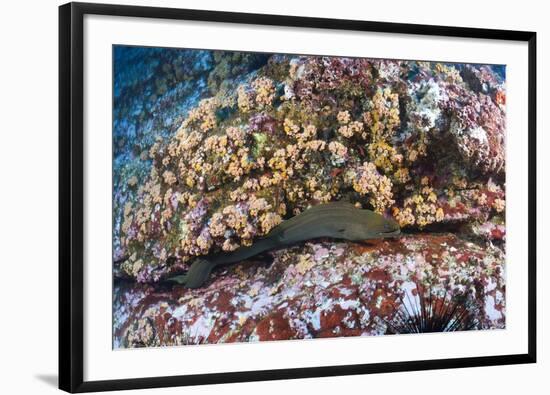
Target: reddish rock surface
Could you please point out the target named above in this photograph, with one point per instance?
(320, 289)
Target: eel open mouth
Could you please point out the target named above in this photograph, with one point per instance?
(390, 233)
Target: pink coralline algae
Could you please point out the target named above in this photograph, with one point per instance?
(321, 289)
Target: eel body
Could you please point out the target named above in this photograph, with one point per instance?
(336, 220)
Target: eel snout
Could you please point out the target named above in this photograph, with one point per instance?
(390, 228)
(391, 233)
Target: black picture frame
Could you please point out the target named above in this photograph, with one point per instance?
(71, 172)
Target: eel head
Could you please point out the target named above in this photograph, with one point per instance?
(371, 226)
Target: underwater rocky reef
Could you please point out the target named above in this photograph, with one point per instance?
(213, 149)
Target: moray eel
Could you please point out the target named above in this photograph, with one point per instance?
(336, 220)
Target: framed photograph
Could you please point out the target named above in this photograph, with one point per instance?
(253, 197)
